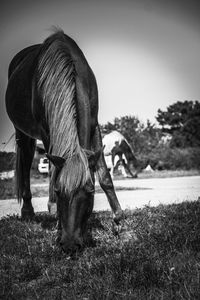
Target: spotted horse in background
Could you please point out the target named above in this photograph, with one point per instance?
(119, 154)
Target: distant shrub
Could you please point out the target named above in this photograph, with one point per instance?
(7, 161)
(173, 158)
(188, 158)
(7, 189)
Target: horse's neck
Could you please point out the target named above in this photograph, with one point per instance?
(83, 114)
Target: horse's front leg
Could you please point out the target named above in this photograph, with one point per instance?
(104, 177)
(25, 153)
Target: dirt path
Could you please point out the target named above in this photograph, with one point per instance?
(147, 192)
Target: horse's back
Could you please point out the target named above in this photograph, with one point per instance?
(20, 56)
(19, 90)
(25, 96)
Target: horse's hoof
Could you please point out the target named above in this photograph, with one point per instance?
(123, 234)
(27, 214)
(118, 217)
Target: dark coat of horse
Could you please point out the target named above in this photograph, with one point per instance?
(52, 96)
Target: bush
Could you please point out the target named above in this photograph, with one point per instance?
(173, 158)
(7, 161)
(7, 189)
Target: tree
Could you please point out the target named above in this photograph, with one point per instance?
(141, 137)
(151, 137)
(182, 120)
(107, 128)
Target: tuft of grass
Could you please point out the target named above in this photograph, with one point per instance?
(162, 263)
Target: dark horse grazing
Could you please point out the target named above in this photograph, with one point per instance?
(52, 96)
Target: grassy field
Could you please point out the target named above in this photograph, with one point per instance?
(162, 263)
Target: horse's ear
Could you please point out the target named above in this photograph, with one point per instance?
(93, 158)
(57, 161)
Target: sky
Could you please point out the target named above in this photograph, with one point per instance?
(145, 53)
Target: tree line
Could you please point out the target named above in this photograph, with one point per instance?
(172, 143)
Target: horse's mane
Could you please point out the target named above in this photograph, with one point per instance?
(57, 86)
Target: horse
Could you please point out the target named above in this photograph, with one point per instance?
(52, 95)
(115, 144)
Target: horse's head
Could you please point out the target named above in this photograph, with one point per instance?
(74, 205)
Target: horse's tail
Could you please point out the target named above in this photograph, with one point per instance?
(19, 173)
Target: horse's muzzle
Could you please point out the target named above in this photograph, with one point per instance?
(71, 245)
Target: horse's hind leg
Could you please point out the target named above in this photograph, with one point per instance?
(25, 153)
